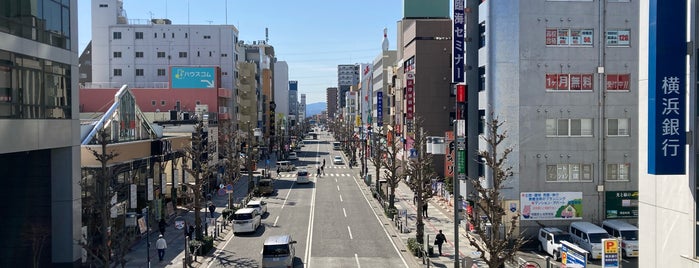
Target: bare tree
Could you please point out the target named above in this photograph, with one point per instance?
(495, 247)
(421, 173)
(230, 148)
(36, 235)
(197, 158)
(376, 157)
(392, 166)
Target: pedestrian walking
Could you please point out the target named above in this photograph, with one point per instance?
(317, 171)
(161, 245)
(323, 162)
(161, 226)
(191, 232)
(414, 199)
(439, 240)
(424, 209)
(212, 209)
(322, 169)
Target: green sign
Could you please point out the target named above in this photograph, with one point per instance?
(621, 204)
(461, 162)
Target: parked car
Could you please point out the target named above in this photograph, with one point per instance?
(338, 160)
(625, 231)
(259, 205)
(550, 241)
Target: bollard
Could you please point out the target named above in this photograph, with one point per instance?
(184, 262)
(548, 262)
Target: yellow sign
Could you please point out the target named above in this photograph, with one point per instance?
(611, 246)
(358, 121)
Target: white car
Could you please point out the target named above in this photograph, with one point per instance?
(292, 156)
(259, 205)
(246, 220)
(550, 241)
(302, 176)
(338, 160)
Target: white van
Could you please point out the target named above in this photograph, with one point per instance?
(246, 220)
(550, 241)
(302, 176)
(626, 232)
(589, 237)
(278, 251)
(336, 145)
(285, 166)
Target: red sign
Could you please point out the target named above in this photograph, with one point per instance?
(551, 37)
(461, 93)
(409, 96)
(618, 81)
(586, 81)
(449, 155)
(563, 81)
(551, 81)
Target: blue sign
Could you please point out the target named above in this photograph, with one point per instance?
(379, 108)
(573, 256)
(666, 87)
(193, 77)
(458, 42)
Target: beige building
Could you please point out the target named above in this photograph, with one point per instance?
(247, 98)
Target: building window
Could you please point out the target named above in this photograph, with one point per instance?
(210, 53)
(481, 38)
(618, 38)
(568, 172)
(117, 72)
(161, 72)
(161, 54)
(223, 55)
(186, 35)
(569, 82)
(617, 172)
(117, 54)
(569, 127)
(104, 5)
(183, 54)
(207, 37)
(481, 78)
(198, 102)
(564, 37)
(617, 82)
(139, 54)
(198, 54)
(481, 121)
(116, 35)
(139, 35)
(155, 35)
(152, 102)
(173, 35)
(139, 72)
(162, 103)
(163, 35)
(618, 127)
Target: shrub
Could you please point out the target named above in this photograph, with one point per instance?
(390, 212)
(227, 212)
(201, 248)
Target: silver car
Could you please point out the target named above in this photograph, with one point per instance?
(278, 251)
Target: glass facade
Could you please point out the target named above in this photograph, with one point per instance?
(45, 21)
(33, 88)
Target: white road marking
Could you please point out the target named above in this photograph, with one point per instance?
(311, 217)
(344, 212)
(338, 188)
(275, 222)
(357, 259)
(384, 229)
(287, 195)
(340, 198)
(350, 231)
(335, 179)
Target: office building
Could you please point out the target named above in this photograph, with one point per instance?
(331, 100)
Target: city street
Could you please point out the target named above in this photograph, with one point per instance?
(329, 218)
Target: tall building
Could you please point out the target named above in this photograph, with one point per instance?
(382, 77)
(39, 116)
(302, 109)
(347, 76)
(281, 87)
(331, 100)
(293, 103)
(569, 103)
(162, 63)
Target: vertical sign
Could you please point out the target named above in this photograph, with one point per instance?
(610, 254)
(458, 42)
(666, 87)
(133, 194)
(379, 108)
(409, 95)
(449, 155)
(150, 188)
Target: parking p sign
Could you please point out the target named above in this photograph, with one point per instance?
(610, 255)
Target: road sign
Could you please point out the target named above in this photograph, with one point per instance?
(461, 162)
(462, 176)
(461, 143)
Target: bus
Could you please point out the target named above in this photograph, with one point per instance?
(336, 145)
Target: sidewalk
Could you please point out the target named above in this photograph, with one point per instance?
(440, 217)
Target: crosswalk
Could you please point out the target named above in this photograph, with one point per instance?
(293, 175)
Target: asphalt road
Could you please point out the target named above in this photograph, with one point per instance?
(330, 219)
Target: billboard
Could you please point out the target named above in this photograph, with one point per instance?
(551, 205)
(458, 42)
(193, 77)
(572, 256)
(667, 84)
(425, 9)
(621, 204)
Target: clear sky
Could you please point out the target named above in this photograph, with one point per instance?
(312, 36)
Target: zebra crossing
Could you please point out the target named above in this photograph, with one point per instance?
(293, 175)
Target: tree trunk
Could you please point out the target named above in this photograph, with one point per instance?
(392, 198)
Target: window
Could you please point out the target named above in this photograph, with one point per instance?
(139, 35)
(569, 37)
(618, 38)
(173, 35)
(186, 35)
(207, 37)
(481, 78)
(223, 55)
(117, 72)
(569, 127)
(183, 54)
(617, 172)
(210, 53)
(117, 54)
(161, 54)
(163, 35)
(568, 172)
(481, 38)
(139, 54)
(139, 72)
(617, 82)
(104, 5)
(161, 72)
(618, 127)
(162, 103)
(116, 35)
(152, 102)
(198, 54)
(155, 35)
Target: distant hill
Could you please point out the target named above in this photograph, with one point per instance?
(315, 108)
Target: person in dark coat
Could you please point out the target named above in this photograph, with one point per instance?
(424, 209)
(161, 226)
(439, 240)
(212, 209)
(191, 232)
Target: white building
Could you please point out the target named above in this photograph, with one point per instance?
(281, 87)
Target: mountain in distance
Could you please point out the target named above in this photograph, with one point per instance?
(315, 108)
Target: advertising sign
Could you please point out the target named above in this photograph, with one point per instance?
(667, 51)
(610, 254)
(193, 77)
(458, 42)
(449, 155)
(409, 94)
(133, 196)
(572, 256)
(621, 204)
(379, 108)
(150, 188)
(551, 205)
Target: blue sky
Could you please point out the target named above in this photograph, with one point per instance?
(312, 36)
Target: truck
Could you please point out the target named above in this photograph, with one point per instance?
(550, 240)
